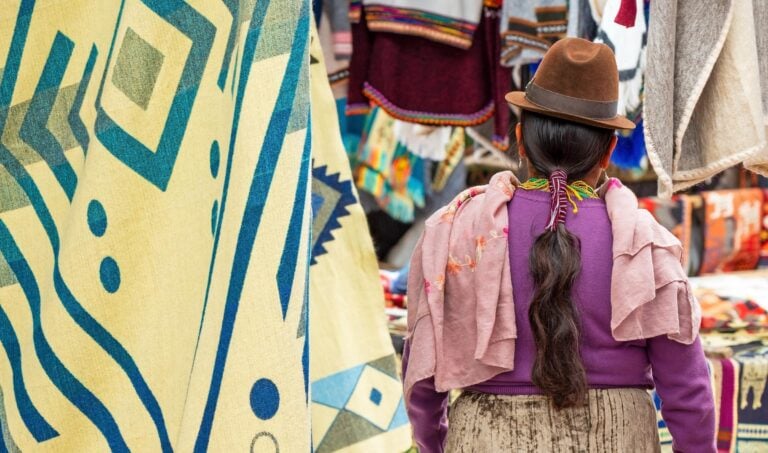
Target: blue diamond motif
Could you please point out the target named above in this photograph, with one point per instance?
(375, 396)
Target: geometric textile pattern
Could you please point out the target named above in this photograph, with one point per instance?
(330, 198)
(357, 404)
(357, 398)
(134, 80)
(154, 225)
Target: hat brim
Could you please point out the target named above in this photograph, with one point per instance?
(518, 99)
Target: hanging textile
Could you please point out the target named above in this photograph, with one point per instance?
(357, 398)
(732, 230)
(764, 233)
(752, 431)
(451, 22)
(338, 17)
(628, 45)
(427, 142)
(388, 171)
(703, 112)
(421, 81)
(759, 163)
(582, 22)
(154, 226)
(454, 154)
(528, 29)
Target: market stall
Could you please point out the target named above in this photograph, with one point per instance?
(414, 143)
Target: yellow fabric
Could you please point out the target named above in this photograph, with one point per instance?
(139, 310)
(356, 392)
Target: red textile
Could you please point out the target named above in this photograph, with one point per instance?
(421, 81)
(627, 13)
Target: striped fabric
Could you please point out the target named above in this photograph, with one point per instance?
(154, 225)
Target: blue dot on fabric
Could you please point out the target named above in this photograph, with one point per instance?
(97, 218)
(265, 399)
(375, 396)
(214, 216)
(110, 274)
(215, 156)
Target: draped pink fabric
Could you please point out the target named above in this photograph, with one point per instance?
(461, 318)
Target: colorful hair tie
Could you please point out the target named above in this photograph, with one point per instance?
(558, 182)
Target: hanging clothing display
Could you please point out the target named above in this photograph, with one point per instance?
(581, 20)
(454, 153)
(705, 112)
(451, 22)
(349, 336)
(422, 81)
(154, 226)
(764, 234)
(733, 226)
(388, 171)
(760, 164)
(628, 45)
(630, 149)
(338, 17)
(529, 28)
(427, 142)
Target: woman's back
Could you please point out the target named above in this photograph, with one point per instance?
(557, 330)
(608, 363)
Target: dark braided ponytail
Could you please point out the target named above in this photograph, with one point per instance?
(562, 151)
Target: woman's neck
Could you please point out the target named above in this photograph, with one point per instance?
(592, 178)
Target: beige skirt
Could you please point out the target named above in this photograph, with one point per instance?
(616, 420)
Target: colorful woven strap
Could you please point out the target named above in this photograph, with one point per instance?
(562, 194)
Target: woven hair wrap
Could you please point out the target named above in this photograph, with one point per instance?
(558, 181)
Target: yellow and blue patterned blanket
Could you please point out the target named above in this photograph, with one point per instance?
(154, 225)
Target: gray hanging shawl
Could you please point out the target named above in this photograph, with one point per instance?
(702, 109)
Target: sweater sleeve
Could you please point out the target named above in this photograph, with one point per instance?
(687, 402)
(428, 411)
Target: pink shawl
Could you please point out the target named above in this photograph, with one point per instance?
(461, 317)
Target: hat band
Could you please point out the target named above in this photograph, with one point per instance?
(594, 110)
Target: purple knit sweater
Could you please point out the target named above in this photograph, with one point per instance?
(679, 375)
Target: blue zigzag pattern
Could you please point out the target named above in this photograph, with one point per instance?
(324, 233)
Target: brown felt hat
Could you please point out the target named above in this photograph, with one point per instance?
(578, 81)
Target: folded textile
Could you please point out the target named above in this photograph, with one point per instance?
(703, 111)
(628, 45)
(528, 29)
(451, 22)
(421, 81)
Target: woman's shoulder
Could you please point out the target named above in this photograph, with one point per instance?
(477, 200)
